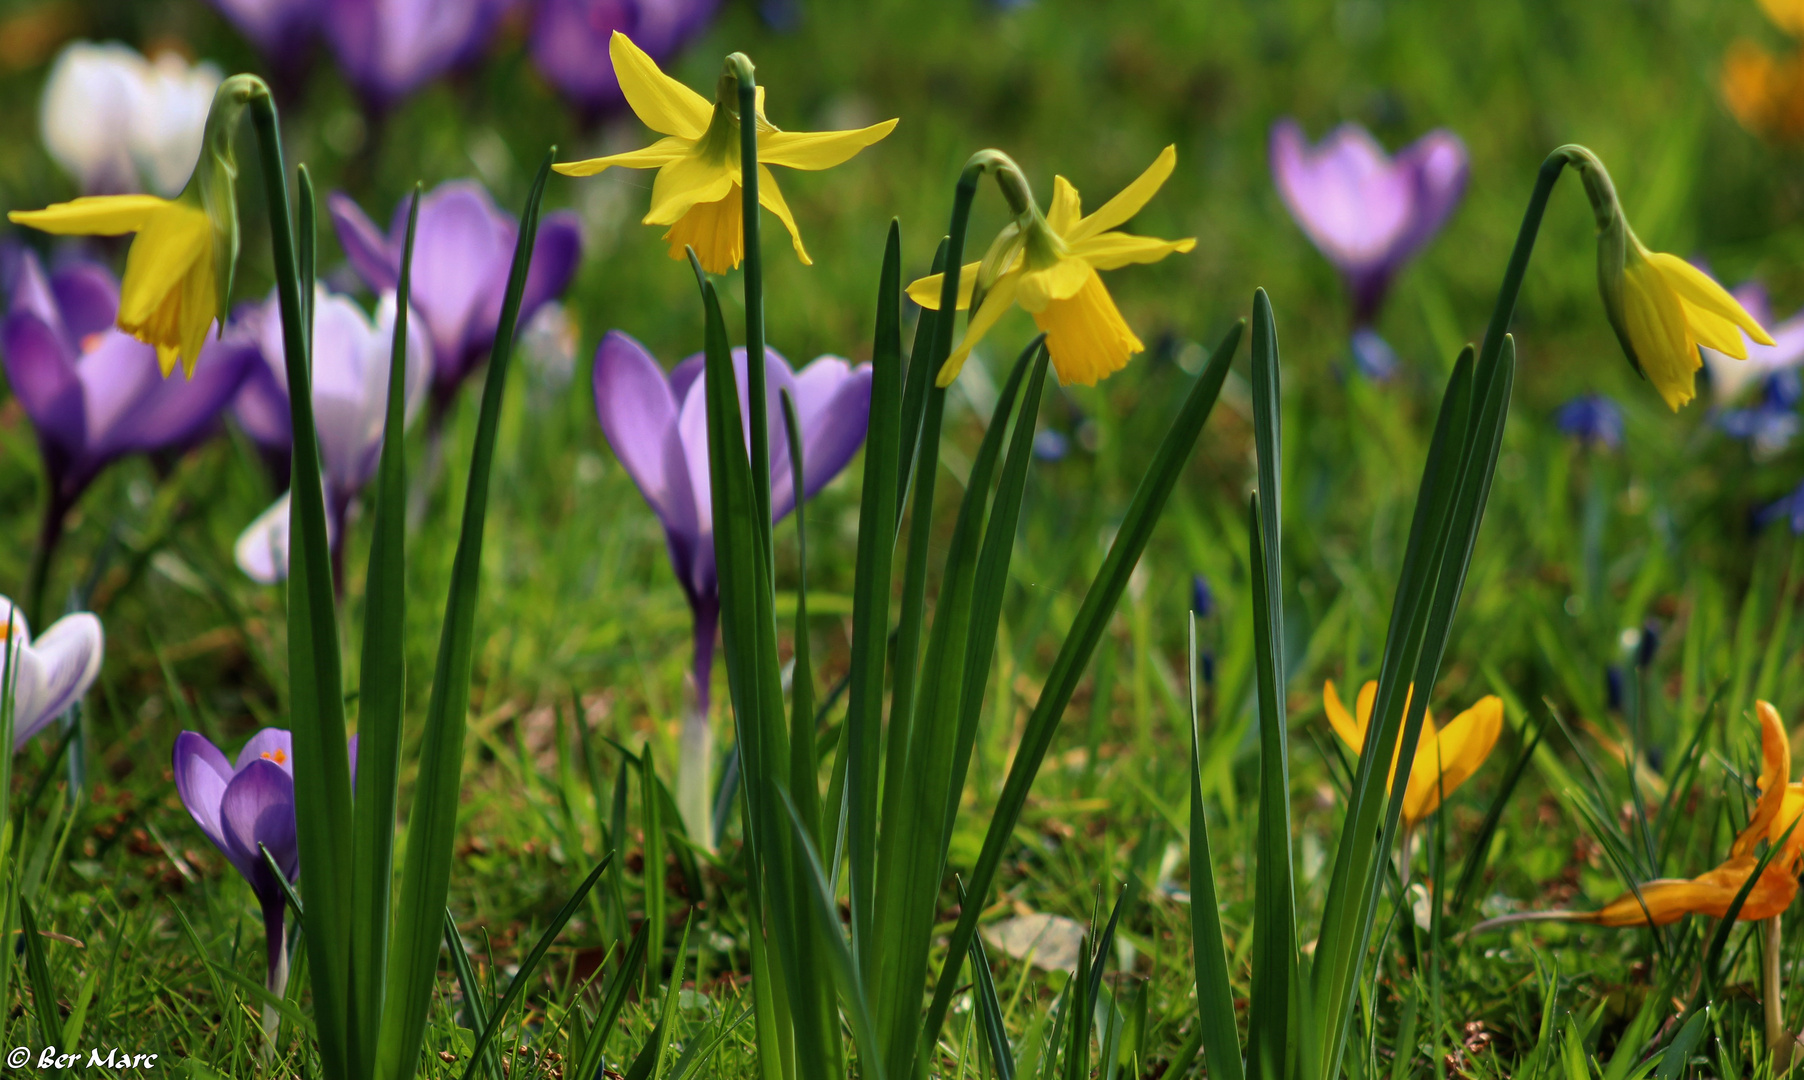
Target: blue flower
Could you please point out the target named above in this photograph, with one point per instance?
(1050, 446)
(1772, 422)
(1789, 509)
(1592, 419)
(1373, 355)
(1202, 597)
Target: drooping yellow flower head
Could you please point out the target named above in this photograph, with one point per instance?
(1780, 804)
(1049, 265)
(1661, 307)
(178, 274)
(1445, 757)
(697, 191)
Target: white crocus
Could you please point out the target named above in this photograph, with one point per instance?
(120, 123)
(51, 673)
(350, 402)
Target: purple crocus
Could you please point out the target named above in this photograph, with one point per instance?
(245, 807)
(570, 41)
(280, 29)
(1368, 212)
(390, 48)
(54, 670)
(350, 401)
(94, 393)
(658, 427)
(1592, 419)
(463, 250)
(1729, 377)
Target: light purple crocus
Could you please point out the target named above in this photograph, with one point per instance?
(94, 393)
(657, 425)
(281, 30)
(390, 48)
(1729, 377)
(1368, 212)
(53, 670)
(463, 250)
(570, 41)
(245, 807)
(350, 401)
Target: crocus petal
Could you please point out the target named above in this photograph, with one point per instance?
(257, 811)
(1351, 200)
(1351, 732)
(461, 250)
(1451, 756)
(556, 253)
(268, 744)
(771, 198)
(660, 153)
(1775, 771)
(661, 102)
(637, 413)
(132, 409)
(1668, 900)
(1116, 249)
(201, 775)
(367, 249)
(86, 296)
(1129, 200)
(262, 549)
(818, 149)
(42, 376)
(67, 657)
(85, 115)
(832, 439)
(93, 215)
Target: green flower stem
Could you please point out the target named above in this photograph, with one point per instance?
(740, 67)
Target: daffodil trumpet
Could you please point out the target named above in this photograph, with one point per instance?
(699, 193)
(178, 273)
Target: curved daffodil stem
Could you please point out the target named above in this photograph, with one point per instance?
(1772, 997)
(739, 67)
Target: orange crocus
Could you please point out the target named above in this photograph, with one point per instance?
(1445, 757)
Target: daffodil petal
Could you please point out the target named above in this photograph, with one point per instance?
(92, 215)
(662, 152)
(1656, 325)
(926, 291)
(1698, 289)
(661, 102)
(682, 184)
(771, 199)
(713, 230)
(1067, 207)
(1060, 281)
(995, 302)
(1129, 200)
(1715, 332)
(816, 150)
(1115, 249)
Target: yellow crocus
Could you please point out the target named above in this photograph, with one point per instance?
(1445, 757)
(1661, 307)
(1787, 15)
(697, 191)
(1049, 267)
(1667, 900)
(178, 274)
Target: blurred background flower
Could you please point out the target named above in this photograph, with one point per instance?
(51, 672)
(570, 36)
(1593, 420)
(1368, 212)
(117, 122)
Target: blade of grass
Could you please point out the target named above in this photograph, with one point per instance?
(476, 1014)
(1217, 1030)
(432, 820)
(613, 1002)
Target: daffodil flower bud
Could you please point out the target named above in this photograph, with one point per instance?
(1661, 307)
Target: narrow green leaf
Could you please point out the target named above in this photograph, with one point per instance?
(322, 781)
(989, 1009)
(1684, 1044)
(1217, 1031)
(381, 690)
(1074, 654)
(37, 971)
(432, 820)
(613, 1001)
(476, 1012)
(652, 870)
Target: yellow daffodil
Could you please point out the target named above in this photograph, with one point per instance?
(178, 274)
(1780, 804)
(1445, 757)
(1661, 307)
(697, 191)
(1049, 265)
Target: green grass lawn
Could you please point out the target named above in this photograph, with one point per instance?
(581, 621)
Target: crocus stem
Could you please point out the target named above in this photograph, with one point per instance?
(1406, 851)
(695, 761)
(1772, 999)
(275, 930)
(50, 534)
